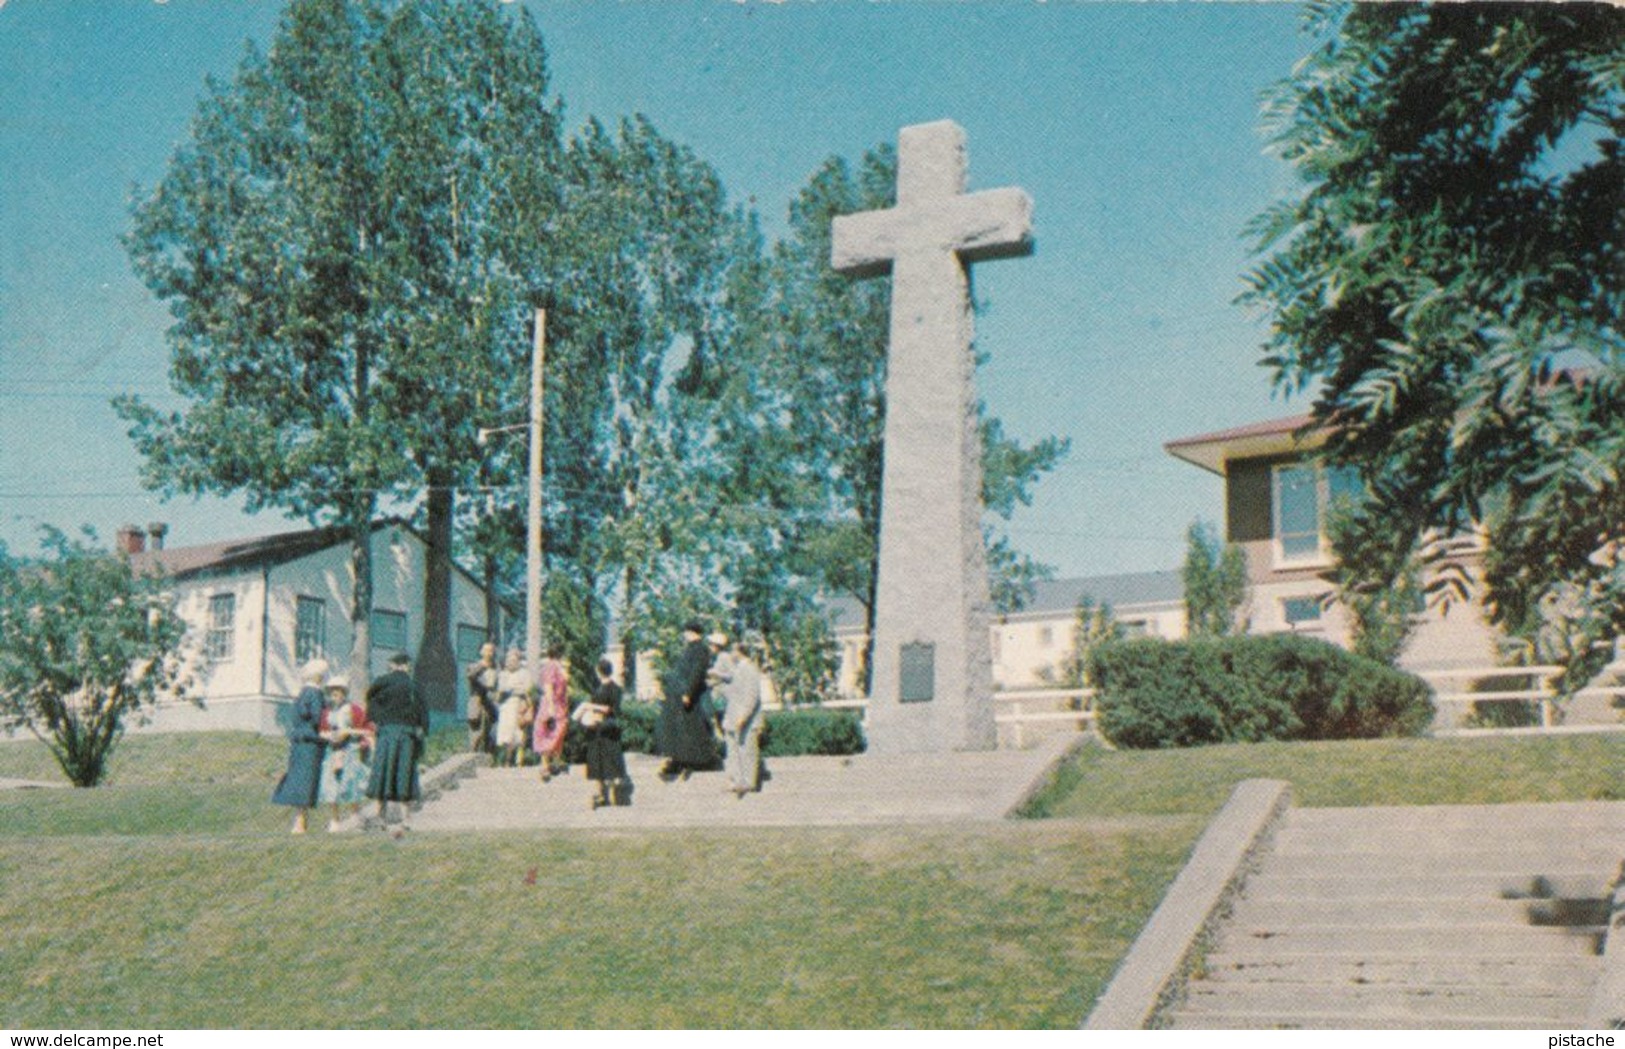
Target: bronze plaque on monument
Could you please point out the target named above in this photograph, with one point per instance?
(917, 671)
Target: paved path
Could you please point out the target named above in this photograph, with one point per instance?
(806, 791)
(1446, 916)
(27, 784)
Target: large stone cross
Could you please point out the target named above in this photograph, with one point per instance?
(931, 687)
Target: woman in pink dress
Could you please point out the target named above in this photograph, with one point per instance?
(552, 713)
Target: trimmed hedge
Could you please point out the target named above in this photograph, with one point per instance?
(812, 730)
(787, 733)
(1250, 688)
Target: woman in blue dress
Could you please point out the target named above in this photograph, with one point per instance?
(299, 784)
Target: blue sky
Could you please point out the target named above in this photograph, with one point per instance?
(1133, 126)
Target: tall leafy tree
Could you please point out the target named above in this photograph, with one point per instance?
(1449, 282)
(636, 299)
(1376, 571)
(1215, 579)
(349, 243)
(1093, 626)
(86, 645)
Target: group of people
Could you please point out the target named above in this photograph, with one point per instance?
(691, 718)
(512, 712)
(342, 751)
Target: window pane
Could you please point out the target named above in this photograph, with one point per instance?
(1343, 482)
(1301, 609)
(469, 640)
(310, 629)
(217, 643)
(1300, 546)
(388, 629)
(1300, 512)
(1297, 512)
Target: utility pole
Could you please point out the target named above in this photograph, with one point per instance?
(533, 530)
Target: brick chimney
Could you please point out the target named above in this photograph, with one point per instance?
(157, 530)
(131, 540)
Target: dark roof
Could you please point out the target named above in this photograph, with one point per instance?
(1124, 590)
(1120, 591)
(182, 561)
(1267, 427)
(1213, 451)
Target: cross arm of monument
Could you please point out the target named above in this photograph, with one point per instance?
(992, 224)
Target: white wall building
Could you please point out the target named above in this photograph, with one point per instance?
(1030, 646)
(259, 608)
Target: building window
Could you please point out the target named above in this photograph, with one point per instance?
(1304, 494)
(389, 629)
(1046, 636)
(1301, 611)
(1136, 628)
(310, 629)
(218, 641)
(470, 639)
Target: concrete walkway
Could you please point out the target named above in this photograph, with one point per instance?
(27, 784)
(806, 791)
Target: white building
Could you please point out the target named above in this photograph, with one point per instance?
(1031, 646)
(259, 608)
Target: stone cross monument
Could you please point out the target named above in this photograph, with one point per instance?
(932, 684)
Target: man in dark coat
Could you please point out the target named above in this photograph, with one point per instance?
(398, 709)
(482, 701)
(685, 737)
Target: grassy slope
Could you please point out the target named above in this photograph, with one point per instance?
(1361, 772)
(1017, 926)
(172, 897)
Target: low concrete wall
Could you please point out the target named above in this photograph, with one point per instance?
(261, 714)
(1151, 973)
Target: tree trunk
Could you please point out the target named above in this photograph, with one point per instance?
(493, 607)
(436, 665)
(629, 641)
(361, 605)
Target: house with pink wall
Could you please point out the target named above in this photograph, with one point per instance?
(1276, 501)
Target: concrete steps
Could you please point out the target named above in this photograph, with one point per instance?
(803, 791)
(1405, 971)
(1497, 1005)
(1448, 917)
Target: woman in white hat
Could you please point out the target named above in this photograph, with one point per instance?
(298, 786)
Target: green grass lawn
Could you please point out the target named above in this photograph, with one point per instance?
(1459, 771)
(174, 898)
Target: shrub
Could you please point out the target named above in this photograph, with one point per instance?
(789, 733)
(1250, 688)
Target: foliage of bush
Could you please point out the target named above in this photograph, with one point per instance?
(1245, 689)
(789, 733)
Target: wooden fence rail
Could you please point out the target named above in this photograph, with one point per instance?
(1020, 712)
(1541, 690)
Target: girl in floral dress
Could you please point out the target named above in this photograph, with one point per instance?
(349, 738)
